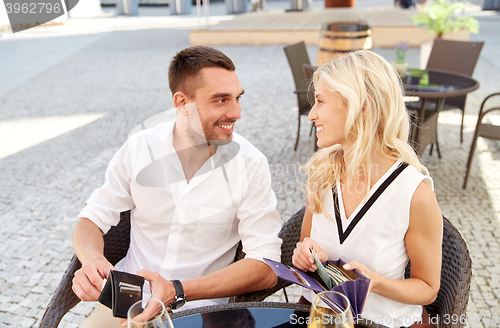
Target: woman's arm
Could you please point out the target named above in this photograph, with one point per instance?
(423, 243)
(306, 224)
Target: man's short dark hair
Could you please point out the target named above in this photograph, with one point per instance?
(185, 66)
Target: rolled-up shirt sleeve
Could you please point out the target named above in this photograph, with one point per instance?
(260, 222)
(107, 202)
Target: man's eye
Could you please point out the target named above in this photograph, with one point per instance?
(221, 101)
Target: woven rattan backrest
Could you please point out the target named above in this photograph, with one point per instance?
(290, 234)
(117, 239)
(308, 73)
(297, 55)
(455, 56)
(456, 273)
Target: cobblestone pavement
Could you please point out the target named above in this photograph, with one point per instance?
(66, 121)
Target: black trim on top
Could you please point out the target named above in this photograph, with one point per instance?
(343, 235)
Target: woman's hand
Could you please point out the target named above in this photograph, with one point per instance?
(373, 276)
(302, 257)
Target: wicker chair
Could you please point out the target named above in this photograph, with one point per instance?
(116, 243)
(456, 272)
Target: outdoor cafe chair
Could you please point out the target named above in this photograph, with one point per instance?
(116, 243)
(297, 55)
(483, 129)
(454, 56)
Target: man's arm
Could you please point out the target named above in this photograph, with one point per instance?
(89, 247)
(243, 276)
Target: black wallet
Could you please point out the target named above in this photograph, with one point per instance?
(121, 291)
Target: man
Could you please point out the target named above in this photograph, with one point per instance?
(195, 189)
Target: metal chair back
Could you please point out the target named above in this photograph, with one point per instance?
(483, 129)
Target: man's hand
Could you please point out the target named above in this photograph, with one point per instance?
(302, 257)
(87, 283)
(161, 289)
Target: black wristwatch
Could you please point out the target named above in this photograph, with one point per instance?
(180, 297)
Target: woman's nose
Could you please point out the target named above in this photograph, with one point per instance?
(313, 115)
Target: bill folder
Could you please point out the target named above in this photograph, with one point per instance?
(355, 288)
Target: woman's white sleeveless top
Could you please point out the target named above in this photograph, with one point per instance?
(376, 240)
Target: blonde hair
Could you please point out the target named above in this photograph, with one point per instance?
(377, 119)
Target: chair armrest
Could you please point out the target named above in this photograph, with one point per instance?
(300, 91)
(64, 299)
(486, 99)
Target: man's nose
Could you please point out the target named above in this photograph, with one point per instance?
(234, 111)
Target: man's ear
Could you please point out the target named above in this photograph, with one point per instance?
(180, 101)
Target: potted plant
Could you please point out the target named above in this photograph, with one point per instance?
(401, 65)
(439, 18)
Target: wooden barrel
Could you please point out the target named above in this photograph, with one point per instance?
(342, 37)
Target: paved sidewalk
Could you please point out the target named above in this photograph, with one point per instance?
(67, 103)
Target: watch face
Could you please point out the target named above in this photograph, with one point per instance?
(178, 303)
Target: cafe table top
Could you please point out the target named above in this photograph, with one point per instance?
(440, 84)
(249, 315)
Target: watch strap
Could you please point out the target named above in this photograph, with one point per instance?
(180, 297)
(179, 290)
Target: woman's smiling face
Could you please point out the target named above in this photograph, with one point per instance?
(329, 114)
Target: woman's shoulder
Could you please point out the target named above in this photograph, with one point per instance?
(423, 194)
(424, 208)
(413, 173)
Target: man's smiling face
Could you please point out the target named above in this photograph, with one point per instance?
(218, 105)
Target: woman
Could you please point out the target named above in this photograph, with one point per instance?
(367, 201)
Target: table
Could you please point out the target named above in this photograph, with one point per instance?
(440, 85)
(249, 315)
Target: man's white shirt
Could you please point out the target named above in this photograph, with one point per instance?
(183, 230)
